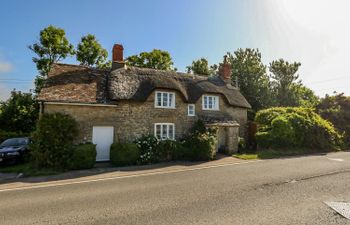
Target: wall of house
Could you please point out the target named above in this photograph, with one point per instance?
(132, 119)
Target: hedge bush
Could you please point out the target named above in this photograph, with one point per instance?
(84, 156)
(201, 143)
(148, 146)
(53, 141)
(124, 154)
(9, 134)
(291, 127)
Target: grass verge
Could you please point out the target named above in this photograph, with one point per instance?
(270, 154)
(27, 170)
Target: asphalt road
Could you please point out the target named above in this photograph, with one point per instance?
(280, 191)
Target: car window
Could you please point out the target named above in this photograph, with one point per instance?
(14, 142)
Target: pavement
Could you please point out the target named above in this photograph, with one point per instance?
(230, 191)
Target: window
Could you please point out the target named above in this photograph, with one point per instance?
(164, 131)
(164, 100)
(210, 102)
(191, 110)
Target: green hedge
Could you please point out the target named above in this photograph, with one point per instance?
(84, 156)
(124, 154)
(291, 127)
(52, 146)
(6, 135)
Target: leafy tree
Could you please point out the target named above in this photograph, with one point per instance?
(19, 113)
(336, 109)
(105, 65)
(90, 52)
(285, 78)
(156, 59)
(201, 66)
(303, 96)
(52, 47)
(253, 81)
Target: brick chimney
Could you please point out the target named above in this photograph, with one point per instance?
(117, 58)
(225, 70)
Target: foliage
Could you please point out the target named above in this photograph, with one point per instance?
(11, 134)
(90, 52)
(202, 67)
(19, 113)
(84, 156)
(289, 127)
(253, 81)
(171, 150)
(105, 65)
(149, 151)
(124, 154)
(336, 109)
(200, 144)
(156, 59)
(52, 47)
(53, 141)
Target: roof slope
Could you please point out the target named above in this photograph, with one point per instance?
(80, 84)
(137, 84)
(72, 83)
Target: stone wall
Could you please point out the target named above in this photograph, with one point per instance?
(132, 119)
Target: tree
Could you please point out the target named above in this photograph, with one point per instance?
(52, 47)
(90, 52)
(156, 59)
(336, 109)
(105, 65)
(19, 113)
(253, 81)
(201, 66)
(285, 78)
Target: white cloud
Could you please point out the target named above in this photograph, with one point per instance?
(5, 67)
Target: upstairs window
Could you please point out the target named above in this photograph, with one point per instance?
(191, 110)
(164, 100)
(164, 131)
(210, 102)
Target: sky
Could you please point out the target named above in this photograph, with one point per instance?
(313, 32)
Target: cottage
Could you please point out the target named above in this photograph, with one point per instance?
(125, 102)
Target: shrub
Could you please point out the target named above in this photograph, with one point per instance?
(200, 144)
(171, 150)
(124, 154)
(84, 156)
(289, 127)
(9, 134)
(149, 151)
(53, 141)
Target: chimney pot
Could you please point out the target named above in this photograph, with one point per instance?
(118, 58)
(225, 70)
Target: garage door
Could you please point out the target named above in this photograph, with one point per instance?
(102, 136)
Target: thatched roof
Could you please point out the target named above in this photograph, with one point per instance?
(137, 84)
(71, 83)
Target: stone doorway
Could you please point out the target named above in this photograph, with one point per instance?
(227, 134)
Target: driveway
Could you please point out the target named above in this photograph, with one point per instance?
(279, 191)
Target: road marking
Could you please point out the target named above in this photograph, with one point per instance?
(336, 159)
(56, 184)
(343, 208)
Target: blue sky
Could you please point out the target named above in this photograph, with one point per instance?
(313, 33)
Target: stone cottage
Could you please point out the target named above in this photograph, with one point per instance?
(125, 102)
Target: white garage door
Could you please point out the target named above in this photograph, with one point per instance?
(103, 138)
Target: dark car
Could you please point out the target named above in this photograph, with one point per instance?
(14, 149)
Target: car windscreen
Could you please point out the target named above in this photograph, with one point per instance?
(14, 142)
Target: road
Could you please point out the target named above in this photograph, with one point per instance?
(278, 191)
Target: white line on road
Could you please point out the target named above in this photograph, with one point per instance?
(56, 184)
(336, 159)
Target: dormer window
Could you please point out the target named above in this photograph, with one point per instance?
(191, 110)
(164, 100)
(210, 102)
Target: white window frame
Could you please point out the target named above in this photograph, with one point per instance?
(169, 105)
(188, 110)
(214, 99)
(167, 125)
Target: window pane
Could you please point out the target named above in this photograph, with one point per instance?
(171, 131)
(158, 131)
(165, 99)
(159, 99)
(205, 102)
(171, 100)
(164, 131)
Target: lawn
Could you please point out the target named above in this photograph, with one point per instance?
(27, 170)
(270, 154)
